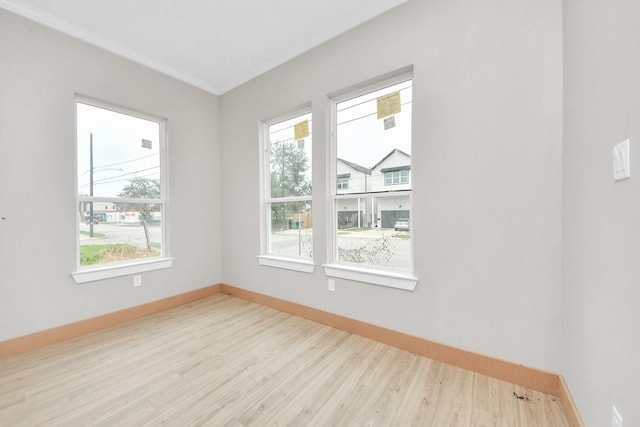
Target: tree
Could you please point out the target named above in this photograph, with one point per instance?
(289, 166)
(142, 188)
(289, 177)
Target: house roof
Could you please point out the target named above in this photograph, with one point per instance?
(369, 170)
(389, 155)
(356, 166)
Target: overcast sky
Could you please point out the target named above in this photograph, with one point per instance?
(362, 138)
(120, 155)
(118, 151)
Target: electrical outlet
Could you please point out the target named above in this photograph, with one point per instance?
(332, 285)
(616, 418)
(137, 281)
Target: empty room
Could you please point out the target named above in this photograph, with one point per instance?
(281, 213)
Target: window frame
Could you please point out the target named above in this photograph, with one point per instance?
(394, 278)
(90, 273)
(266, 257)
(342, 183)
(400, 174)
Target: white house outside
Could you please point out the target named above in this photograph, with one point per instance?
(370, 207)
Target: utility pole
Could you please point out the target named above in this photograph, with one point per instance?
(91, 184)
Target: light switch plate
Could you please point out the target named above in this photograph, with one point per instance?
(622, 160)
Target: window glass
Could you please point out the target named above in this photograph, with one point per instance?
(343, 183)
(289, 213)
(120, 191)
(372, 200)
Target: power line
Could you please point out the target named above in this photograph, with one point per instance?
(99, 181)
(112, 178)
(117, 180)
(118, 163)
(366, 115)
(290, 127)
(409, 86)
(127, 161)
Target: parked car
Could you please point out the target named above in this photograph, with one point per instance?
(402, 224)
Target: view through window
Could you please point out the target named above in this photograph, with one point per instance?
(288, 187)
(372, 200)
(121, 204)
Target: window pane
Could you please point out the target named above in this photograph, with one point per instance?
(375, 152)
(119, 231)
(291, 228)
(374, 231)
(289, 175)
(373, 155)
(343, 183)
(290, 157)
(118, 154)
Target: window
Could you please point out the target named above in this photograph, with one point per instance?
(121, 192)
(396, 177)
(343, 182)
(371, 235)
(287, 218)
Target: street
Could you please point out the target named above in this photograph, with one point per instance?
(132, 234)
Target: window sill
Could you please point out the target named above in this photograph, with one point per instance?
(117, 270)
(302, 265)
(390, 279)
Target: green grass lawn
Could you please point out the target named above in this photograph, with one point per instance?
(90, 254)
(96, 254)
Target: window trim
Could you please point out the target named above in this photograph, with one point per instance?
(123, 268)
(302, 265)
(90, 273)
(391, 279)
(381, 276)
(400, 176)
(267, 258)
(342, 182)
(396, 168)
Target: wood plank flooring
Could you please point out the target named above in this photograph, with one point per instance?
(223, 361)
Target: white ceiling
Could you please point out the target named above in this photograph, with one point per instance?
(212, 44)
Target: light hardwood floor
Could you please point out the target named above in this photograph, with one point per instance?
(223, 361)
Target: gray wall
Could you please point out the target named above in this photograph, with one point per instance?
(601, 217)
(487, 159)
(492, 232)
(40, 72)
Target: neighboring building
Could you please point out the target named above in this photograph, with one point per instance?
(102, 211)
(391, 173)
(353, 178)
(108, 212)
